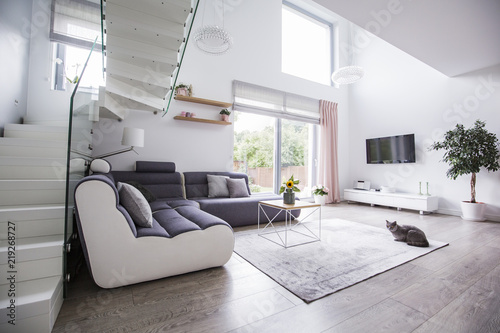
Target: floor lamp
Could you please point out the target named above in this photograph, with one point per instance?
(133, 137)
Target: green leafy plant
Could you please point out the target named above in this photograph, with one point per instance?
(320, 190)
(469, 150)
(225, 111)
(290, 185)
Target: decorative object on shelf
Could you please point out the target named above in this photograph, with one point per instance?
(289, 187)
(213, 39)
(467, 151)
(133, 137)
(183, 90)
(183, 113)
(352, 73)
(188, 114)
(320, 192)
(224, 114)
(193, 115)
(420, 188)
(428, 194)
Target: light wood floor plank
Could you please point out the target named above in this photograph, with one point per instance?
(386, 316)
(454, 289)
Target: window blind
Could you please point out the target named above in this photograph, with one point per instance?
(256, 99)
(76, 22)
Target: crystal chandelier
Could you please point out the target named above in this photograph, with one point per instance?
(348, 74)
(213, 39)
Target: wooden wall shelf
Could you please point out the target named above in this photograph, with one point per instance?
(201, 120)
(202, 101)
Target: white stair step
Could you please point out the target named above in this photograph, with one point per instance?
(142, 21)
(175, 11)
(33, 213)
(32, 192)
(32, 168)
(33, 228)
(137, 73)
(37, 305)
(131, 93)
(32, 148)
(31, 131)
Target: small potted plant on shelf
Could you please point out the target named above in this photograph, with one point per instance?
(224, 114)
(290, 187)
(467, 151)
(183, 90)
(320, 192)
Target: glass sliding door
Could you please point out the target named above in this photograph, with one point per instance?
(254, 149)
(298, 154)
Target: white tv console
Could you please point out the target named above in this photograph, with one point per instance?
(422, 203)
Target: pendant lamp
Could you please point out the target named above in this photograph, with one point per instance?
(212, 39)
(348, 74)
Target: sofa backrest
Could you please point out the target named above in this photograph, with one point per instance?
(160, 178)
(196, 183)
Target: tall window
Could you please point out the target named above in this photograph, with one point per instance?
(306, 45)
(275, 137)
(75, 25)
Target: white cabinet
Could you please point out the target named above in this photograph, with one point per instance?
(422, 203)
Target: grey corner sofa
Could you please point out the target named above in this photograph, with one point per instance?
(190, 231)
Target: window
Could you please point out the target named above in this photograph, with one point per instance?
(75, 25)
(306, 45)
(274, 137)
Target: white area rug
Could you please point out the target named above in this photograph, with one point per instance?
(348, 253)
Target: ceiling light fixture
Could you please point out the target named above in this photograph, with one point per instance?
(348, 74)
(213, 39)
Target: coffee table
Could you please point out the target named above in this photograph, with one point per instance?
(299, 227)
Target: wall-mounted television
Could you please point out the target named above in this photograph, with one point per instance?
(391, 149)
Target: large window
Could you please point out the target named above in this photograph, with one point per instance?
(75, 25)
(275, 137)
(306, 49)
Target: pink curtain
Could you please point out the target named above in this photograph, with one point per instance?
(328, 166)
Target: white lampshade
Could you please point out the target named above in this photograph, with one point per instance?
(133, 137)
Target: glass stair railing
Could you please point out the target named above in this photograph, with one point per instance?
(82, 113)
(182, 50)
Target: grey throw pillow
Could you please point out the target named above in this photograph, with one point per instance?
(237, 187)
(136, 205)
(217, 186)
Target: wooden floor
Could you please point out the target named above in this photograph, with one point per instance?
(455, 289)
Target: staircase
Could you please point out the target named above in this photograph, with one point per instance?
(32, 207)
(144, 46)
(145, 43)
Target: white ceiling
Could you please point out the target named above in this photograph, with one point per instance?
(453, 36)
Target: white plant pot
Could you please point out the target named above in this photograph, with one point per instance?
(473, 211)
(320, 199)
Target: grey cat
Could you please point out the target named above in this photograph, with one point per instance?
(407, 233)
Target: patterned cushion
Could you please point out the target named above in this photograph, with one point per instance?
(136, 205)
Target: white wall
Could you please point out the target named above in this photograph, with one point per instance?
(400, 95)
(255, 57)
(15, 17)
(44, 104)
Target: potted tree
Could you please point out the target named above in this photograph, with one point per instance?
(224, 114)
(467, 151)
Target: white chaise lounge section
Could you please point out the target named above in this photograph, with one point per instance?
(117, 258)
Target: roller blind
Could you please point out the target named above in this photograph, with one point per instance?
(256, 99)
(76, 22)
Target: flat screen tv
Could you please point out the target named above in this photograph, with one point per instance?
(391, 149)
